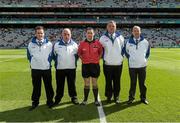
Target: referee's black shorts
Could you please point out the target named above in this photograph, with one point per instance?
(90, 70)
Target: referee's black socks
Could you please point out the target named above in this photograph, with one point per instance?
(86, 92)
(95, 92)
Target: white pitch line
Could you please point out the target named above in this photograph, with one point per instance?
(12, 59)
(170, 59)
(102, 116)
(12, 56)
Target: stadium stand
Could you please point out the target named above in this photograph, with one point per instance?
(20, 37)
(160, 19)
(107, 3)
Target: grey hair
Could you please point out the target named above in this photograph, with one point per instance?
(137, 27)
(112, 21)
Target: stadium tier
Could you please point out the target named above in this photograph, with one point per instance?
(160, 19)
(20, 37)
(94, 3)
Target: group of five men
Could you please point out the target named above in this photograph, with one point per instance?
(65, 52)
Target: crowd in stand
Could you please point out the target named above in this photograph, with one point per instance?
(20, 37)
(119, 3)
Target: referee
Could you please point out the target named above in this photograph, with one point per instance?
(90, 52)
(137, 50)
(113, 43)
(39, 53)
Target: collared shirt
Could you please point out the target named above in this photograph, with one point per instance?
(112, 35)
(137, 39)
(66, 42)
(40, 42)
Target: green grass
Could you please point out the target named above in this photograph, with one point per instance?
(163, 92)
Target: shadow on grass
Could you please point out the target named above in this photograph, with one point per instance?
(117, 107)
(64, 112)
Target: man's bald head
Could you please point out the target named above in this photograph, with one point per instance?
(66, 34)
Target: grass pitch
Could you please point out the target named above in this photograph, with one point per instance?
(163, 93)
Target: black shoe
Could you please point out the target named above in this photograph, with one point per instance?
(56, 103)
(145, 101)
(51, 105)
(97, 103)
(75, 101)
(84, 103)
(117, 101)
(130, 101)
(33, 107)
(108, 100)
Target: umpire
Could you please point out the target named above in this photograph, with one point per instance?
(113, 43)
(137, 51)
(39, 53)
(65, 54)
